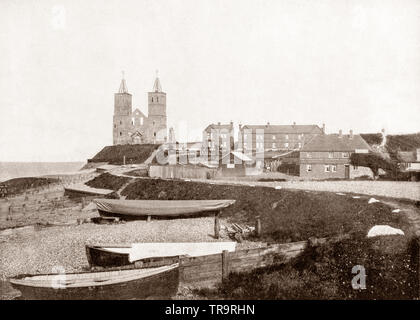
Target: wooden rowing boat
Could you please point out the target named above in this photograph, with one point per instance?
(123, 284)
(135, 209)
(146, 255)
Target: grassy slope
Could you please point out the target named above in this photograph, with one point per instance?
(134, 153)
(107, 181)
(326, 273)
(286, 215)
(19, 185)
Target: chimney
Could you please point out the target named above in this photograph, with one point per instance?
(294, 123)
(351, 134)
(340, 133)
(418, 154)
(218, 123)
(323, 128)
(240, 126)
(231, 122)
(268, 123)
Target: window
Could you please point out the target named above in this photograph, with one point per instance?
(327, 168)
(308, 168)
(299, 145)
(154, 134)
(132, 121)
(308, 155)
(245, 136)
(274, 145)
(274, 137)
(157, 99)
(334, 168)
(245, 145)
(115, 125)
(286, 145)
(260, 137)
(152, 99)
(299, 136)
(120, 133)
(345, 154)
(330, 155)
(141, 121)
(355, 168)
(287, 137)
(120, 122)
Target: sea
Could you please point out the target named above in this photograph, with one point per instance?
(10, 170)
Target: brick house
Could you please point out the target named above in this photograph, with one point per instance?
(218, 134)
(267, 142)
(328, 156)
(276, 137)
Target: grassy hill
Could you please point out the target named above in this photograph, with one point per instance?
(134, 153)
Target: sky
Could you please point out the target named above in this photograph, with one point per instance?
(348, 64)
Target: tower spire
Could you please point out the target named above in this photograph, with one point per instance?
(156, 86)
(123, 86)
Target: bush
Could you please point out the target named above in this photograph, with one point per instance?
(374, 162)
(108, 181)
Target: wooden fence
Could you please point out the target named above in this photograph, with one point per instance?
(208, 271)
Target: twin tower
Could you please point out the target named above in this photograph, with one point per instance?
(134, 127)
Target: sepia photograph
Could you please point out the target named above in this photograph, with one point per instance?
(210, 150)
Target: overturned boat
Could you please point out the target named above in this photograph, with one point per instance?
(146, 255)
(123, 284)
(135, 209)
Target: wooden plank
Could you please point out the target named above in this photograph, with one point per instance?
(204, 268)
(190, 261)
(204, 276)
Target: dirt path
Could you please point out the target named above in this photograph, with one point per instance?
(410, 210)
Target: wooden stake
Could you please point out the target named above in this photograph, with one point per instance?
(258, 227)
(216, 226)
(225, 264)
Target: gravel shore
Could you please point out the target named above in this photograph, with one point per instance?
(41, 251)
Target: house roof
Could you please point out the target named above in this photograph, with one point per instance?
(241, 156)
(298, 129)
(219, 126)
(333, 142)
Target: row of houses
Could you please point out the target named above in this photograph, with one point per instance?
(306, 151)
(302, 150)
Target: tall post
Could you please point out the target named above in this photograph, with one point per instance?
(123, 160)
(258, 226)
(216, 225)
(225, 264)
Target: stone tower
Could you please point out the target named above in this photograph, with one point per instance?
(157, 113)
(122, 113)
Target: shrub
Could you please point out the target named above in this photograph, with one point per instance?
(107, 181)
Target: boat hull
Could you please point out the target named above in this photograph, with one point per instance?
(98, 257)
(135, 209)
(150, 255)
(159, 286)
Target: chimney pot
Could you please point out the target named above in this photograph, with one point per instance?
(351, 134)
(294, 123)
(340, 133)
(218, 123)
(323, 127)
